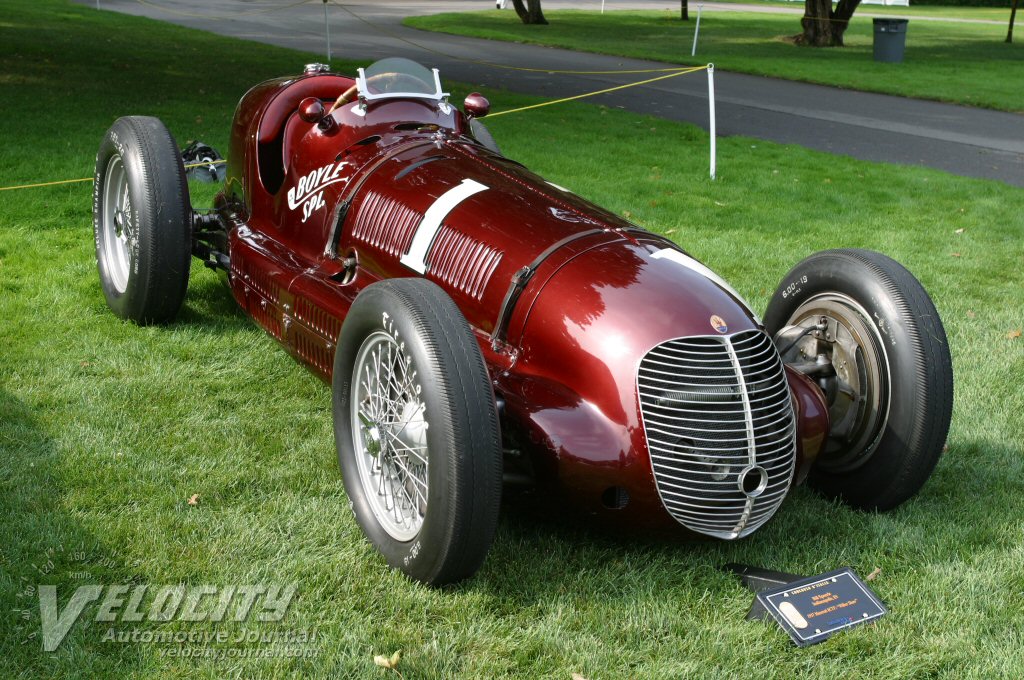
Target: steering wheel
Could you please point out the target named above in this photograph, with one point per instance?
(402, 82)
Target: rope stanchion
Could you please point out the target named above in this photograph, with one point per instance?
(327, 30)
(696, 31)
(711, 118)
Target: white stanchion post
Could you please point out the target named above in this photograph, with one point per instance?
(711, 115)
(696, 30)
(327, 31)
(602, 6)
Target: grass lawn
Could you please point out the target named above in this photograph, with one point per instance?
(1000, 14)
(107, 429)
(956, 62)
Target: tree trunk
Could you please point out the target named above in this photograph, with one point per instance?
(529, 13)
(1013, 15)
(684, 10)
(824, 26)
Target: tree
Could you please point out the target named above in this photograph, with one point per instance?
(684, 10)
(530, 12)
(1013, 15)
(824, 25)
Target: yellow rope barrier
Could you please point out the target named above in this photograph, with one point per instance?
(89, 179)
(670, 72)
(46, 184)
(413, 43)
(605, 91)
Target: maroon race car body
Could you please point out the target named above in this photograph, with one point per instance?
(625, 375)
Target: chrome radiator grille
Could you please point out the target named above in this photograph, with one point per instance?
(720, 429)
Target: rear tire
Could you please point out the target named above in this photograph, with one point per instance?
(416, 428)
(142, 220)
(892, 398)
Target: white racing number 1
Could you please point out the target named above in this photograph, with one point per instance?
(416, 257)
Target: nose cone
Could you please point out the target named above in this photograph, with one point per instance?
(606, 308)
(663, 354)
(588, 329)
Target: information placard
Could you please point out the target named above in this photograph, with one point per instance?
(812, 609)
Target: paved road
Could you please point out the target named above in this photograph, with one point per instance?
(961, 140)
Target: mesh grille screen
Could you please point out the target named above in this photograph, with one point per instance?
(712, 408)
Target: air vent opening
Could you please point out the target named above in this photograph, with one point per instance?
(429, 127)
(615, 497)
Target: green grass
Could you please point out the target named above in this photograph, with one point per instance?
(956, 62)
(1000, 14)
(106, 429)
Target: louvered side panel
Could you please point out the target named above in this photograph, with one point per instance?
(462, 262)
(385, 224)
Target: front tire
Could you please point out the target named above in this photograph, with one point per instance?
(416, 429)
(891, 397)
(142, 220)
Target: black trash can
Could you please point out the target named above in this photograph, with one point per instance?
(890, 39)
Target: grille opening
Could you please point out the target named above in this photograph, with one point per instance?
(615, 497)
(720, 430)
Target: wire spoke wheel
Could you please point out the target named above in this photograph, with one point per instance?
(416, 428)
(391, 442)
(117, 236)
(142, 221)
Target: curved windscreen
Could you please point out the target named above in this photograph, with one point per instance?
(398, 77)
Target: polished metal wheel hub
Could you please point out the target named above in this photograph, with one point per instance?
(118, 246)
(391, 440)
(839, 331)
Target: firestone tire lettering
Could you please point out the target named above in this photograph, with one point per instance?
(158, 209)
(463, 439)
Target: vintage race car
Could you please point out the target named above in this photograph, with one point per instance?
(479, 325)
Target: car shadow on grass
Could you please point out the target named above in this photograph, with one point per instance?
(544, 551)
(210, 304)
(43, 544)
